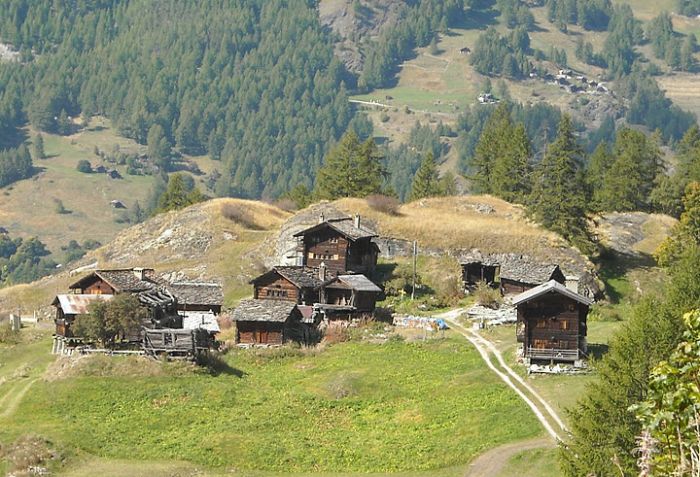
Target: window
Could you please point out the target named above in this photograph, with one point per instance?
(564, 324)
(333, 240)
(312, 255)
(541, 324)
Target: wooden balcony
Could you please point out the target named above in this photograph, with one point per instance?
(553, 354)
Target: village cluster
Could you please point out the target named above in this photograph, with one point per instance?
(329, 286)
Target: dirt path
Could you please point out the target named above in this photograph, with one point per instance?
(490, 463)
(15, 395)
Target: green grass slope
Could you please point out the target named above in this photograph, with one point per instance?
(343, 409)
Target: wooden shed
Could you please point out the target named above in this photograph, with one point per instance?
(477, 267)
(552, 323)
(343, 244)
(197, 296)
(267, 322)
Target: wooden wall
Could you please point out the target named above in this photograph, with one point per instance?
(473, 273)
(260, 332)
(510, 287)
(326, 246)
(98, 287)
(276, 288)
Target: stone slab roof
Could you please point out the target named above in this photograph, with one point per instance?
(551, 286)
(345, 226)
(275, 311)
(197, 293)
(358, 283)
(75, 304)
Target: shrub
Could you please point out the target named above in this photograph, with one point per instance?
(384, 204)
(8, 335)
(29, 454)
(384, 117)
(487, 296)
(84, 166)
(240, 215)
(288, 205)
(336, 333)
(59, 207)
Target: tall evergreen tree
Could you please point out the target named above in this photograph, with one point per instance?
(596, 171)
(178, 195)
(510, 178)
(159, 150)
(628, 182)
(489, 149)
(38, 149)
(558, 198)
(351, 169)
(426, 182)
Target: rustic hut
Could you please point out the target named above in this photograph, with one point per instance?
(552, 323)
(343, 244)
(518, 274)
(71, 305)
(267, 322)
(477, 267)
(293, 284)
(356, 291)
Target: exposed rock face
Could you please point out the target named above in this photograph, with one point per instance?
(633, 233)
(354, 24)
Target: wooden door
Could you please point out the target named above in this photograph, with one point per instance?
(263, 336)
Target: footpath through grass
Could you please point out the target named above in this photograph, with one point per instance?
(353, 407)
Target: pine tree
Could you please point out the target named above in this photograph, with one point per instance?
(488, 149)
(351, 169)
(558, 199)
(597, 169)
(426, 182)
(178, 195)
(510, 178)
(686, 233)
(159, 147)
(38, 149)
(628, 183)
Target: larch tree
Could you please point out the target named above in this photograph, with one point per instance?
(159, 149)
(426, 182)
(510, 177)
(489, 148)
(686, 233)
(351, 169)
(558, 198)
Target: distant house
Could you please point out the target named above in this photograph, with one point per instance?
(114, 174)
(552, 323)
(69, 306)
(267, 322)
(296, 284)
(343, 245)
(519, 275)
(465, 50)
(117, 204)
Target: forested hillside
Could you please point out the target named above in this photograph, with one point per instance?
(254, 83)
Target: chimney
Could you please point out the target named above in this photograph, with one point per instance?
(140, 273)
(323, 272)
(321, 218)
(357, 221)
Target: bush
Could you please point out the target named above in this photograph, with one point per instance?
(8, 335)
(384, 204)
(487, 296)
(240, 215)
(384, 117)
(29, 454)
(84, 166)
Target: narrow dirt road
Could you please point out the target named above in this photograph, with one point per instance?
(490, 463)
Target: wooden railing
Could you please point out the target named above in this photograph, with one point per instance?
(553, 354)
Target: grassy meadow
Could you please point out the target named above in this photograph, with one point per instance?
(342, 409)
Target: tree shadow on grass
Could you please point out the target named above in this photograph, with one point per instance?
(217, 366)
(597, 350)
(615, 266)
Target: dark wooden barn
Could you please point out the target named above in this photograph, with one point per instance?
(552, 323)
(343, 245)
(197, 296)
(517, 276)
(267, 322)
(293, 284)
(356, 291)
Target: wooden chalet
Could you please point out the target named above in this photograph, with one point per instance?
(292, 284)
(355, 291)
(551, 323)
(343, 245)
(267, 322)
(519, 275)
(69, 306)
